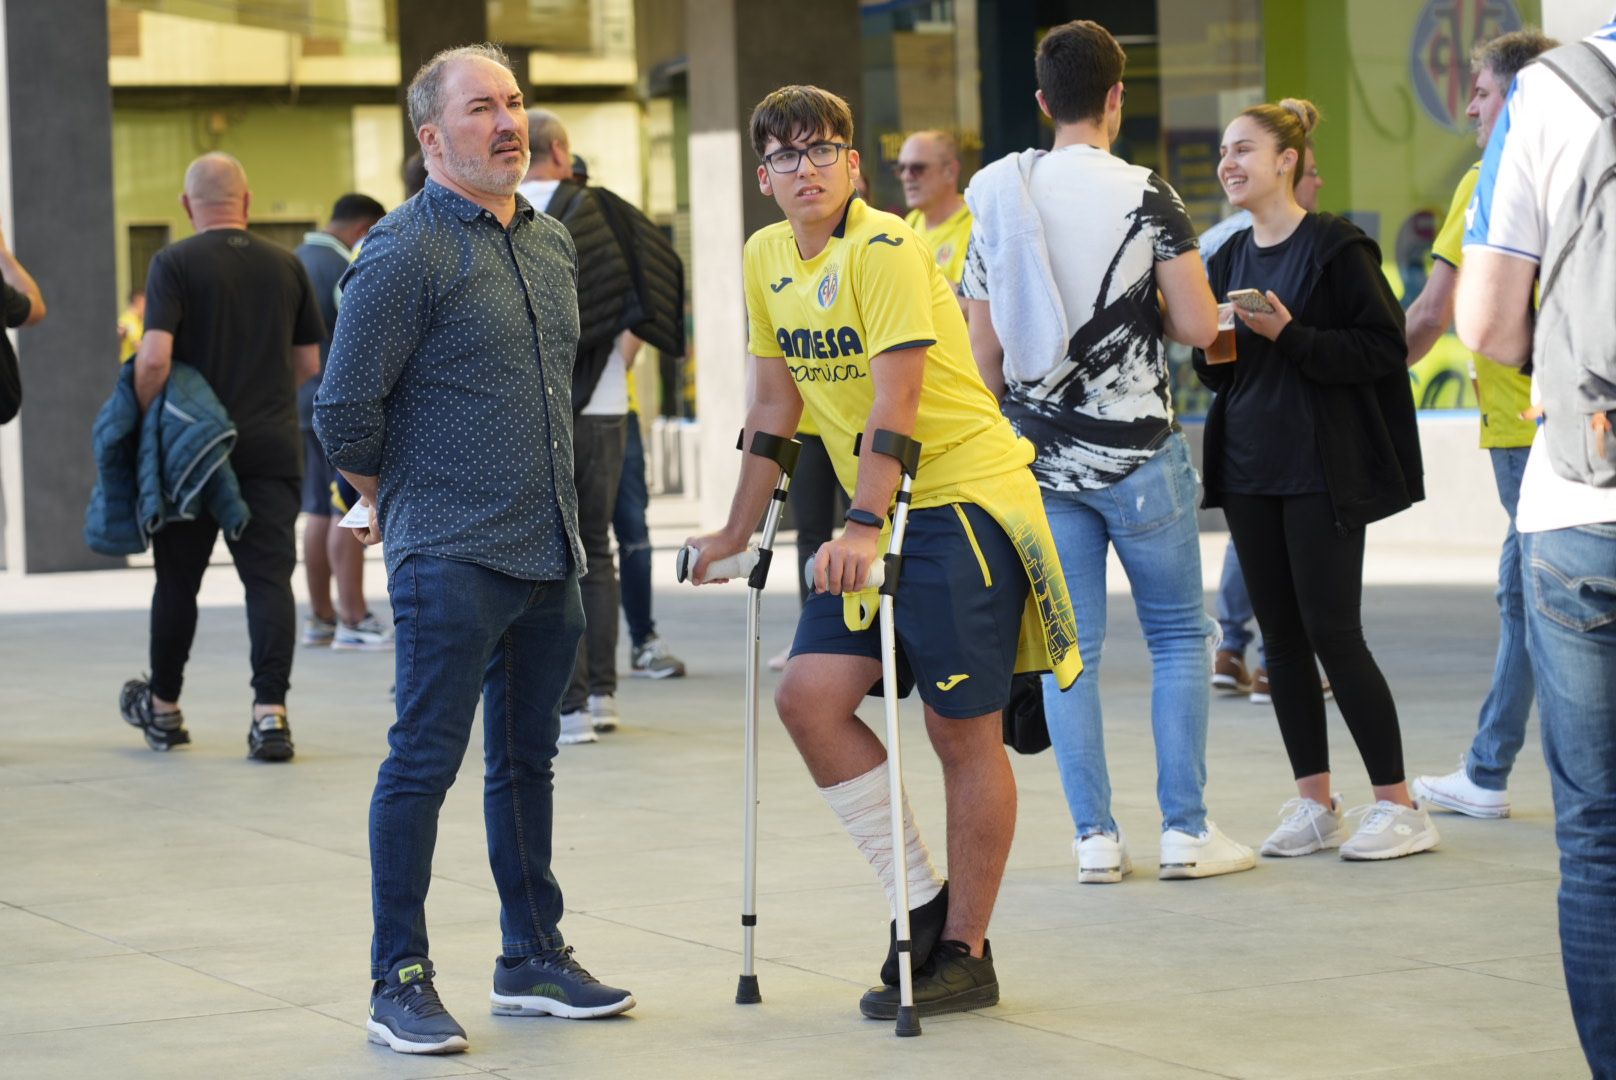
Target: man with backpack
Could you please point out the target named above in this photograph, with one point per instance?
(623, 285)
(1543, 217)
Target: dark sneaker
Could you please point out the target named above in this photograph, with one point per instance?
(925, 927)
(952, 981)
(553, 984)
(406, 1014)
(164, 730)
(269, 738)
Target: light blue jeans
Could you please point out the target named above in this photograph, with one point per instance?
(1501, 727)
(1570, 577)
(1149, 517)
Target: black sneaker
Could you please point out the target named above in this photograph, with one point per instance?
(163, 731)
(553, 984)
(269, 738)
(952, 981)
(407, 1015)
(925, 927)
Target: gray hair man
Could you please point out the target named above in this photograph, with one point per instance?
(446, 407)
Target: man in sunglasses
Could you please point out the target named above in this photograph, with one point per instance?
(851, 318)
(928, 167)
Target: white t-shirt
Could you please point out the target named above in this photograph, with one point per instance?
(1531, 162)
(1106, 408)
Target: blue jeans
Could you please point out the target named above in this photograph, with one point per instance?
(1501, 727)
(633, 537)
(1235, 615)
(1570, 579)
(464, 630)
(1150, 517)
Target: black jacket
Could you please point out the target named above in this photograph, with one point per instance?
(629, 278)
(1346, 338)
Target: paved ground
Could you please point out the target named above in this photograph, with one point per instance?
(200, 916)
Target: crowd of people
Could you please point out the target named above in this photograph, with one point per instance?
(464, 381)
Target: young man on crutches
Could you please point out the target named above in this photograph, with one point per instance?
(851, 318)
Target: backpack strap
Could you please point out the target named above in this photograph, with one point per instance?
(1587, 70)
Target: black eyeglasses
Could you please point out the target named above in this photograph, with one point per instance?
(900, 169)
(789, 160)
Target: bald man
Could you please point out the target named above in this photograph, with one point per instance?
(239, 310)
(928, 167)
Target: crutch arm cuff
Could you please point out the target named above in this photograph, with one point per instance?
(779, 449)
(901, 448)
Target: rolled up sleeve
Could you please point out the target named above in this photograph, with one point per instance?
(382, 320)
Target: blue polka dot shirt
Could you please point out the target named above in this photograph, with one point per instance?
(450, 378)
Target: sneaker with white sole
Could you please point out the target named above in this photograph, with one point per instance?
(1308, 826)
(318, 631)
(651, 660)
(1184, 856)
(577, 727)
(1102, 859)
(553, 984)
(1389, 831)
(1457, 792)
(407, 1015)
(603, 712)
(366, 635)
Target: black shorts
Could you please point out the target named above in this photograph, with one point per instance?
(317, 477)
(958, 613)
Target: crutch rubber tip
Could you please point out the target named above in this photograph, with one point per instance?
(908, 1022)
(747, 992)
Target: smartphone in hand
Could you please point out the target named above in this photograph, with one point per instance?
(1251, 300)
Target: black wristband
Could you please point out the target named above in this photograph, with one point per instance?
(864, 517)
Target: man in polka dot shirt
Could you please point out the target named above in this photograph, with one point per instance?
(447, 404)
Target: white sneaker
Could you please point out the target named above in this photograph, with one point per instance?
(576, 727)
(1207, 855)
(603, 711)
(367, 635)
(1390, 831)
(1457, 792)
(1308, 826)
(1102, 859)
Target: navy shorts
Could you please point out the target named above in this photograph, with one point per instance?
(341, 496)
(958, 611)
(317, 477)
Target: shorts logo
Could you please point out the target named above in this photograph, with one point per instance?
(1439, 52)
(829, 286)
(951, 682)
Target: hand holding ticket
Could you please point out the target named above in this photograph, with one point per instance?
(359, 516)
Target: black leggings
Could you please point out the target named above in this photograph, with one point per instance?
(1306, 583)
(265, 558)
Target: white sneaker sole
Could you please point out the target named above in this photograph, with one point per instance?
(1261, 699)
(1412, 846)
(1104, 875)
(362, 646)
(1329, 843)
(578, 740)
(503, 1005)
(382, 1035)
(650, 673)
(1437, 797)
(1186, 871)
(1228, 684)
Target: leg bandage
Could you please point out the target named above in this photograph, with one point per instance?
(864, 806)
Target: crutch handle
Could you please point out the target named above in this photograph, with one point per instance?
(738, 565)
(873, 580)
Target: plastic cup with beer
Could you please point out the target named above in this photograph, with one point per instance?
(1221, 351)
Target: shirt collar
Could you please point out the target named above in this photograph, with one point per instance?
(463, 208)
(320, 238)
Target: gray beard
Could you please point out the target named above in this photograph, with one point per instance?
(482, 174)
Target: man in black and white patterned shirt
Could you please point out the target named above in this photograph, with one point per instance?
(1078, 264)
(447, 405)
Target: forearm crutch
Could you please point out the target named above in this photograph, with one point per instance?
(907, 453)
(754, 563)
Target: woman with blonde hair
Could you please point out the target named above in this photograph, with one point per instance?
(1311, 436)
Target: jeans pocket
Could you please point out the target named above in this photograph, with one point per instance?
(1563, 592)
(1159, 491)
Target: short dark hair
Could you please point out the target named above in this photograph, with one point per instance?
(356, 207)
(1506, 54)
(1078, 63)
(795, 112)
(424, 97)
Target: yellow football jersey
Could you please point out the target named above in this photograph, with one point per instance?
(875, 288)
(947, 241)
